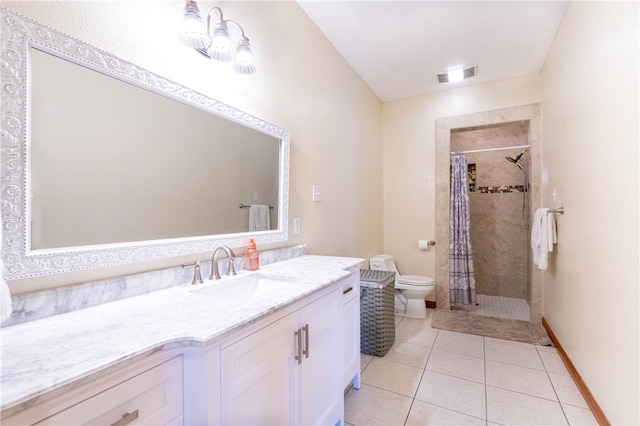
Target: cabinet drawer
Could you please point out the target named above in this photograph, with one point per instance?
(350, 288)
(153, 397)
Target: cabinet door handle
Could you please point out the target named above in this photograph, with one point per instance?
(306, 340)
(126, 419)
(298, 335)
(347, 290)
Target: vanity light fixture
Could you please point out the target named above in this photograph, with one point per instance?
(215, 43)
(457, 74)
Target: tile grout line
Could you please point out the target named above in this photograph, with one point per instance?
(554, 388)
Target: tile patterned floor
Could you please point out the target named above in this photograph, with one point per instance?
(438, 377)
(499, 306)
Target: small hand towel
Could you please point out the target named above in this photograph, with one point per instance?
(259, 218)
(540, 238)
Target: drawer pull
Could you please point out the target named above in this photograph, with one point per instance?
(306, 340)
(347, 290)
(126, 419)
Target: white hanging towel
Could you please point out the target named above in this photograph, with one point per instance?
(259, 218)
(5, 295)
(543, 237)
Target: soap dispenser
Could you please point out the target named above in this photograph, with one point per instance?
(251, 258)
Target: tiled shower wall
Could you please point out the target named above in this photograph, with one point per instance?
(498, 234)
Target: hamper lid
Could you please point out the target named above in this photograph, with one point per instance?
(377, 277)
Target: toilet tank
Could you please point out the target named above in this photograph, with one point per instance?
(382, 262)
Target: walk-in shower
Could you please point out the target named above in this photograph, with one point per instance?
(499, 210)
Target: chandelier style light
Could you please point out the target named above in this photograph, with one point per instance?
(215, 43)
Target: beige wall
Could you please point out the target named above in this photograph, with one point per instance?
(409, 152)
(590, 155)
(302, 85)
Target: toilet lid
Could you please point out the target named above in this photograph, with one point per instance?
(414, 280)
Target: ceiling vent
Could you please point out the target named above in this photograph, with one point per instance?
(456, 75)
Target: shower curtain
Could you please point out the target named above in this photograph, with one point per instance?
(462, 279)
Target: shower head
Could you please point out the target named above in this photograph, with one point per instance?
(517, 159)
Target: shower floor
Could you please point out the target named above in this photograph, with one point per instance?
(498, 306)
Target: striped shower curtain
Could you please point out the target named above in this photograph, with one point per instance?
(462, 279)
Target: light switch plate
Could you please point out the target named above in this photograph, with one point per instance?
(296, 225)
(317, 193)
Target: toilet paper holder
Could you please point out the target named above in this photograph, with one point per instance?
(424, 244)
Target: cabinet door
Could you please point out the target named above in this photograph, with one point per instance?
(321, 390)
(259, 377)
(351, 343)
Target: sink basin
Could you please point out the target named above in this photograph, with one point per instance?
(245, 287)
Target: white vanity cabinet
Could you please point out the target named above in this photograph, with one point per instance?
(153, 396)
(288, 372)
(350, 328)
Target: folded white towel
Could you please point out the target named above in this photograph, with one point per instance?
(259, 218)
(543, 237)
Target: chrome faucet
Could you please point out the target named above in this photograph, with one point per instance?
(215, 273)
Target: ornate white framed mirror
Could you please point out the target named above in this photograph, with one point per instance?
(106, 163)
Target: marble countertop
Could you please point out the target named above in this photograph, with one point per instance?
(40, 356)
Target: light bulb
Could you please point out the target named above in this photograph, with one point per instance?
(456, 75)
(192, 32)
(220, 49)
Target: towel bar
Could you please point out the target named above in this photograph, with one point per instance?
(558, 210)
(244, 206)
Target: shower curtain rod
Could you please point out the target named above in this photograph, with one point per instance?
(488, 149)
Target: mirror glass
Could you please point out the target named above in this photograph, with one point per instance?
(121, 165)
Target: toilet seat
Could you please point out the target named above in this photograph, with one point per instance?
(414, 280)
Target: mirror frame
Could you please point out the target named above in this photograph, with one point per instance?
(19, 34)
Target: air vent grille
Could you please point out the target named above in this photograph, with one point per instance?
(443, 77)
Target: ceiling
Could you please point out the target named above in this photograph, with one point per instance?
(398, 47)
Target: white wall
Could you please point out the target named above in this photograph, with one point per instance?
(302, 85)
(590, 155)
(409, 152)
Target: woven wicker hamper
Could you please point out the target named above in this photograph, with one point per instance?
(377, 311)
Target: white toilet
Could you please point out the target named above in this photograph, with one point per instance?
(411, 290)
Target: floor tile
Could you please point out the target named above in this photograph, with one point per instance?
(458, 365)
(520, 379)
(553, 363)
(409, 354)
(424, 324)
(416, 336)
(392, 376)
(423, 413)
(372, 406)
(513, 408)
(466, 344)
(542, 348)
(453, 393)
(578, 416)
(567, 390)
(510, 342)
(524, 356)
(364, 361)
